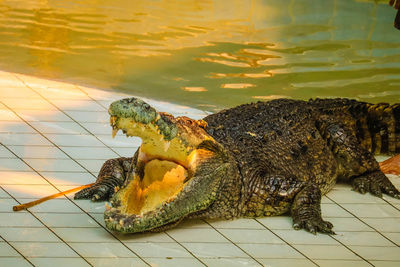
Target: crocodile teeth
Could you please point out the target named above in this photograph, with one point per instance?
(166, 146)
(114, 132)
(113, 120)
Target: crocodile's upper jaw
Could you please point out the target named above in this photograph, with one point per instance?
(167, 160)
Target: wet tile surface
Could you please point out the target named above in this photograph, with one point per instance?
(55, 136)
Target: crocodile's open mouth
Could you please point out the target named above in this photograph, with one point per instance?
(166, 160)
(162, 181)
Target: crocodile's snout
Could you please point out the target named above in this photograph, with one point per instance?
(135, 111)
(133, 108)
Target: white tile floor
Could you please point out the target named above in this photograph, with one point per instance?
(55, 136)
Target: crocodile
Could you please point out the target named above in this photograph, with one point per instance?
(253, 160)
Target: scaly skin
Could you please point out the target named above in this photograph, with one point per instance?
(260, 159)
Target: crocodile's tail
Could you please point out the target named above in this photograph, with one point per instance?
(377, 125)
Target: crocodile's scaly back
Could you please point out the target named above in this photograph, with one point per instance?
(377, 126)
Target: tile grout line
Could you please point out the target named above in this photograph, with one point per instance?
(194, 256)
(57, 188)
(8, 243)
(286, 242)
(95, 100)
(63, 241)
(54, 145)
(112, 234)
(245, 252)
(66, 114)
(346, 246)
(29, 210)
(391, 204)
(365, 222)
(339, 204)
(74, 203)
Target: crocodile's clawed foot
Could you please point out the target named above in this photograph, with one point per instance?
(313, 225)
(376, 183)
(97, 192)
(391, 165)
(109, 180)
(306, 211)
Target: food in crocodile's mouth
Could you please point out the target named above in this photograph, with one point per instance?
(161, 182)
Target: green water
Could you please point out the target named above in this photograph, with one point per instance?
(208, 54)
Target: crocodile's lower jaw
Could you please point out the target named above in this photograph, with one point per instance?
(145, 196)
(162, 181)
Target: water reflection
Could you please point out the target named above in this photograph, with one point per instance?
(208, 54)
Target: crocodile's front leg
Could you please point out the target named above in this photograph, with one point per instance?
(306, 211)
(111, 176)
(278, 194)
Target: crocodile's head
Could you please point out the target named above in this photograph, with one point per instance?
(171, 177)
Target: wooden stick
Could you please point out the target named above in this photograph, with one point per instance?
(36, 202)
